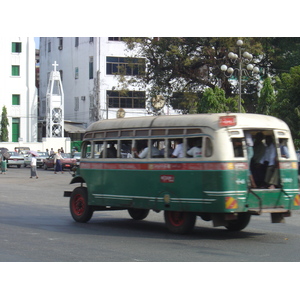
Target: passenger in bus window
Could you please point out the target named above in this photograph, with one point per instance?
(126, 149)
(178, 151)
(111, 151)
(144, 152)
(283, 148)
(196, 148)
(257, 169)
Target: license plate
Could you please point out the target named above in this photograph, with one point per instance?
(67, 165)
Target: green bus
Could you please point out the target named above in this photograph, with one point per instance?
(186, 166)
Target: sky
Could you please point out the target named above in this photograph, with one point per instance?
(37, 42)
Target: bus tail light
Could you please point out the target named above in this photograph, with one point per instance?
(231, 203)
(297, 200)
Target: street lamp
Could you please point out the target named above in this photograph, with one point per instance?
(238, 58)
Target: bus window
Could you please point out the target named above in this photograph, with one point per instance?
(284, 151)
(86, 150)
(179, 149)
(141, 149)
(208, 147)
(111, 149)
(237, 147)
(98, 149)
(126, 146)
(157, 149)
(194, 147)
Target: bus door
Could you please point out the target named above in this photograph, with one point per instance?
(284, 165)
(239, 150)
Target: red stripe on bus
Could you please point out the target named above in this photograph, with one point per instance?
(161, 166)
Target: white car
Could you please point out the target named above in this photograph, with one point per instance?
(39, 159)
(15, 159)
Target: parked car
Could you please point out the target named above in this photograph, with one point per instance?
(39, 159)
(67, 162)
(77, 156)
(15, 159)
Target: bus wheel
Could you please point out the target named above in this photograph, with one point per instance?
(240, 223)
(180, 222)
(80, 210)
(138, 214)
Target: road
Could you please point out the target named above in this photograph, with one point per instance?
(36, 226)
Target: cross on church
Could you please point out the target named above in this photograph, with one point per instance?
(55, 65)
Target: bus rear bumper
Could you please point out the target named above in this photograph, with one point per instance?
(277, 214)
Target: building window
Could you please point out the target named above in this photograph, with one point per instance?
(60, 43)
(76, 73)
(91, 40)
(76, 107)
(119, 39)
(125, 66)
(76, 41)
(15, 70)
(91, 67)
(16, 47)
(49, 46)
(129, 99)
(15, 129)
(15, 99)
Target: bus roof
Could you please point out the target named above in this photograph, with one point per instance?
(243, 120)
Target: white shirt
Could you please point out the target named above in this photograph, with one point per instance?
(178, 152)
(270, 155)
(195, 152)
(33, 161)
(154, 152)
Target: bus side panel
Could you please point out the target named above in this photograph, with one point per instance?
(198, 190)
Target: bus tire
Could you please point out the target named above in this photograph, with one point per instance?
(180, 222)
(79, 208)
(240, 223)
(138, 213)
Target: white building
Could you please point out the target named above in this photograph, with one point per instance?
(91, 90)
(18, 91)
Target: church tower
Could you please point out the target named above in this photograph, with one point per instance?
(55, 105)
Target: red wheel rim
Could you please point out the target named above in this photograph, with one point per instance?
(176, 218)
(78, 205)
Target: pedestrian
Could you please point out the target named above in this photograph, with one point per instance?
(52, 151)
(33, 167)
(62, 150)
(57, 162)
(3, 164)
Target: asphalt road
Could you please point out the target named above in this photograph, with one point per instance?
(36, 226)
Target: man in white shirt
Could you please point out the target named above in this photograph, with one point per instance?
(196, 150)
(178, 151)
(269, 159)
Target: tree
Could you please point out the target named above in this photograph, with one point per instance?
(4, 125)
(267, 98)
(287, 106)
(186, 65)
(214, 101)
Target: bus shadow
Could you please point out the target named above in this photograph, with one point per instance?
(150, 229)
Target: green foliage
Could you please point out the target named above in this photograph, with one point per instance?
(4, 125)
(267, 98)
(215, 101)
(287, 106)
